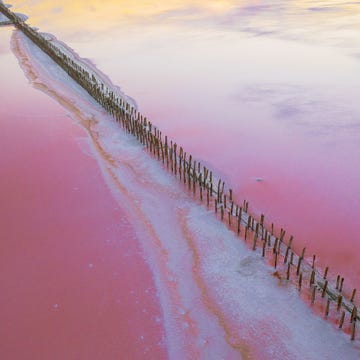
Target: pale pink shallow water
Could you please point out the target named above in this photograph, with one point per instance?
(222, 275)
(206, 292)
(248, 94)
(73, 280)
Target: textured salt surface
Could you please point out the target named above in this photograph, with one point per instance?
(218, 299)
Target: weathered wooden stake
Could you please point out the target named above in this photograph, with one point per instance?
(337, 282)
(313, 293)
(288, 272)
(324, 289)
(312, 278)
(300, 280)
(263, 249)
(353, 329)
(353, 295)
(342, 318)
(339, 302)
(327, 307)
(255, 241)
(286, 255)
(353, 314)
(341, 284)
(262, 218)
(275, 245)
(298, 266)
(326, 272)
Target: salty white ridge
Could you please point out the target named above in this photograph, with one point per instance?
(4, 20)
(218, 299)
(87, 65)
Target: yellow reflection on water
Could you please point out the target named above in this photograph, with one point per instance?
(303, 19)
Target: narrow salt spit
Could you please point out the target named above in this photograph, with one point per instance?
(218, 298)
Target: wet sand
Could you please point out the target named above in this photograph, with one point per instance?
(73, 278)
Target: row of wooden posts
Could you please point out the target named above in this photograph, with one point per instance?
(201, 182)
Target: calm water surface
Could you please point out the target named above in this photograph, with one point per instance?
(255, 89)
(73, 280)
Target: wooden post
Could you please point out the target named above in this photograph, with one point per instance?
(275, 245)
(341, 284)
(298, 266)
(353, 328)
(326, 272)
(286, 255)
(248, 222)
(339, 302)
(263, 249)
(312, 278)
(313, 293)
(327, 307)
(353, 295)
(341, 322)
(313, 261)
(254, 243)
(324, 289)
(300, 280)
(337, 282)
(353, 314)
(288, 272)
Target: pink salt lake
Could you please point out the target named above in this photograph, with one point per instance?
(74, 283)
(309, 169)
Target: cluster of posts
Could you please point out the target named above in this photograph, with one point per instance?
(329, 295)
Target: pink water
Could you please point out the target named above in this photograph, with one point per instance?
(251, 89)
(248, 107)
(74, 282)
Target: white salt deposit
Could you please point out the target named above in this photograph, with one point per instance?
(4, 19)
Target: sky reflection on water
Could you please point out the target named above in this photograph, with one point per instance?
(253, 88)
